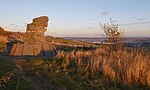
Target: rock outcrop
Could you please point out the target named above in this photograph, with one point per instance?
(35, 30)
(35, 43)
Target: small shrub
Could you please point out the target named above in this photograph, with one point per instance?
(113, 35)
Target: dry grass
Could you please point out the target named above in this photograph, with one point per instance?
(129, 68)
(6, 78)
(109, 67)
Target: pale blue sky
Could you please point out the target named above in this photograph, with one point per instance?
(77, 17)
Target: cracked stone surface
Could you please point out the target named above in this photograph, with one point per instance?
(34, 40)
(35, 30)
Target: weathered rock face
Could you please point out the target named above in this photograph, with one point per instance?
(35, 30)
(38, 24)
(34, 41)
(34, 37)
(33, 50)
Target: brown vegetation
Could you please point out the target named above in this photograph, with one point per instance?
(108, 67)
(125, 67)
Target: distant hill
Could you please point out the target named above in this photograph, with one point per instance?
(64, 41)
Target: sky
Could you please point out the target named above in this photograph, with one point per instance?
(78, 18)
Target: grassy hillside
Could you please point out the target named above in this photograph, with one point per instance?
(65, 41)
(107, 67)
(100, 69)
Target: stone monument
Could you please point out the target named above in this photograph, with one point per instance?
(35, 43)
(35, 30)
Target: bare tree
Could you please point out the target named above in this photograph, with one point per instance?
(113, 34)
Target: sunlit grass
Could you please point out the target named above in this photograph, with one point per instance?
(97, 69)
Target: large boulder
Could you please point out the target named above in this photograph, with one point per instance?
(35, 30)
(35, 44)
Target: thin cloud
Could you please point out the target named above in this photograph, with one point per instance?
(133, 17)
(105, 13)
(135, 23)
(83, 26)
(90, 27)
(91, 19)
(12, 24)
(140, 19)
(86, 27)
(137, 18)
(16, 26)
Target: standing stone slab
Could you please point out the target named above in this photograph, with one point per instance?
(28, 50)
(19, 50)
(13, 49)
(38, 49)
(46, 50)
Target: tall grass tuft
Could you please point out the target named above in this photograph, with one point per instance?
(124, 67)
